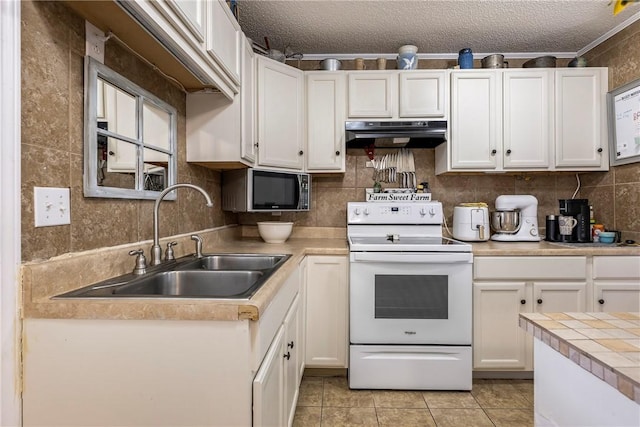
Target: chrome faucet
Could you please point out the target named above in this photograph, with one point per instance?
(156, 250)
(198, 241)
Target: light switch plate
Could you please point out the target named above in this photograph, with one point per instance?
(51, 206)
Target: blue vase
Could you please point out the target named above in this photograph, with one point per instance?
(465, 58)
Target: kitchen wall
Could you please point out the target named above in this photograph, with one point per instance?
(52, 143)
(615, 195)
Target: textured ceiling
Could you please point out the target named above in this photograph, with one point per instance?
(437, 27)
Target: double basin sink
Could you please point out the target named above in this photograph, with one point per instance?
(212, 276)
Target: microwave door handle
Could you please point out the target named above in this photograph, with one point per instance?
(297, 202)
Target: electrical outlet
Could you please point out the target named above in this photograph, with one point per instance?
(51, 206)
(94, 41)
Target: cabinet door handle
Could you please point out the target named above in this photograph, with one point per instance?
(287, 356)
(523, 301)
(290, 345)
(601, 301)
(600, 150)
(300, 153)
(493, 152)
(539, 300)
(618, 154)
(508, 152)
(337, 153)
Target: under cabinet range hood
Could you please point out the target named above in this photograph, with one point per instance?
(405, 134)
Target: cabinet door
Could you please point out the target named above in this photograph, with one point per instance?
(498, 340)
(325, 121)
(527, 118)
(280, 115)
(192, 14)
(475, 119)
(422, 94)
(557, 297)
(327, 311)
(581, 139)
(291, 364)
(372, 94)
(268, 386)
(616, 296)
(248, 102)
(302, 318)
(224, 38)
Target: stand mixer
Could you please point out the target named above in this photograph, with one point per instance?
(515, 219)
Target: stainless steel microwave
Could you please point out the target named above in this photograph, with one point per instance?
(259, 190)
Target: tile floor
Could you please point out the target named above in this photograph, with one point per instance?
(328, 401)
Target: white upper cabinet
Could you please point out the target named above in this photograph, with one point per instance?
(397, 94)
(581, 127)
(526, 120)
(476, 119)
(221, 133)
(202, 35)
(280, 115)
(224, 38)
(192, 14)
(527, 128)
(248, 102)
(372, 94)
(325, 121)
(422, 94)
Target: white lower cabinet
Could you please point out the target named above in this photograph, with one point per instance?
(135, 373)
(616, 283)
(268, 387)
(504, 287)
(498, 342)
(327, 321)
(275, 387)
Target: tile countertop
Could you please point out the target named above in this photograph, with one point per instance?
(493, 248)
(43, 279)
(605, 344)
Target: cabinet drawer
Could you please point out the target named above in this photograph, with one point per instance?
(530, 268)
(616, 267)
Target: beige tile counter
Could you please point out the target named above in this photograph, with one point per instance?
(42, 280)
(605, 344)
(493, 248)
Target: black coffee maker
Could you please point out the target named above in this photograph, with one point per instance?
(579, 209)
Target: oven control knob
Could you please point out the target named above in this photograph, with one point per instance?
(432, 212)
(423, 212)
(356, 211)
(366, 211)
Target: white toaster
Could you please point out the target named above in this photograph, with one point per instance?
(471, 222)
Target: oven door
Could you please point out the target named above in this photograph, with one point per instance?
(410, 298)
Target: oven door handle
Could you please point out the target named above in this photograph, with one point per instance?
(412, 258)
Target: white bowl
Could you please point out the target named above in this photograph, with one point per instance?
(274, 231)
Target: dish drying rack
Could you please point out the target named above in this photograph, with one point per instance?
(396, 167)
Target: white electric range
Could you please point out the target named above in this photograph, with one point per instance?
(410, 299)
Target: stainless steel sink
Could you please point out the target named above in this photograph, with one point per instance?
(217, 284)
(234, 262)
(212, 276)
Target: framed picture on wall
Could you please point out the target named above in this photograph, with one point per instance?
(623, 106)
